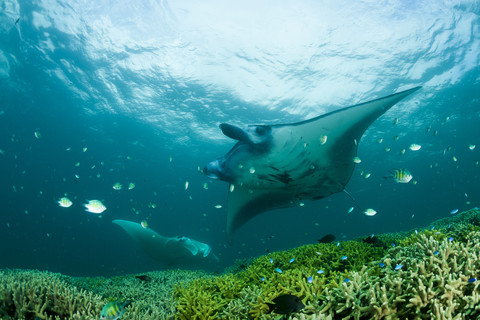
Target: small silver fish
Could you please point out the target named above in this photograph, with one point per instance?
(64, 202)
(95, 206)
(357, 160)
(415, 147)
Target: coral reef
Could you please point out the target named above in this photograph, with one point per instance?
(151, 299)
(44, 295)
(437, 281)
(28, 294)
(305, 271)
(419, 274)
(424, 274)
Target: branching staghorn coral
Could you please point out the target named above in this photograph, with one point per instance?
(43, 295)
(437, 281)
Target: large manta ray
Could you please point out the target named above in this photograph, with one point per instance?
(275, 166)
(170, 251)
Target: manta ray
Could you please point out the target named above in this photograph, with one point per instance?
(276, 166)
(174, 251)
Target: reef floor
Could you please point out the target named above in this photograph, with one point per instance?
(428, 273)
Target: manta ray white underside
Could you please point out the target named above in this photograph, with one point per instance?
(275, 166)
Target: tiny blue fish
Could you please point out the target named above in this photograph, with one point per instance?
(393, 245)
(346, 280)
(454, 211)
(291, 260)
(472, 280)
(432, 228)
(381, 265)
(310, 279)
(278, 270)
(435, 252)
(450, 239)
(338, 244)
(320, 271)
(271, 260)
(416, 232)
(344, 258)
(398, 267)
(262, 279)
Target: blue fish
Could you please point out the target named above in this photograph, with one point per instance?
(454, 211)
(346, 280)
(278, 270)
(344, 258)
(320, 271)
(262, 279)
(381, 265)
(472, 280)
(435, 252)
(398, 267)
(271, 260)
(310, 279)
(450, 239)
(291, 260)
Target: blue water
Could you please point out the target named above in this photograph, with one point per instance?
(143, 86)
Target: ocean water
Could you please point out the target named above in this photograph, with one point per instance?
(98, 92)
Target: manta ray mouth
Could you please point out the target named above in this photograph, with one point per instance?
(214, 170)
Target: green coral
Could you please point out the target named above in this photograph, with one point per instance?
(206, 298)
(437, 280)
(36, 295)
(151, 299)
(28, 294)
(432, 284)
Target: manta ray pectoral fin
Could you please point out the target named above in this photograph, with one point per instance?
(190, 245)
(244, 204)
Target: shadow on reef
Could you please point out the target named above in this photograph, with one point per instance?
(422, 274)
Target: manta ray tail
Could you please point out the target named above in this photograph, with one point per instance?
(353, 199)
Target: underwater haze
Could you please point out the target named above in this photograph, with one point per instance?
(94, 93)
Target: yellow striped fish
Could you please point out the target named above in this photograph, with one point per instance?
(401, 176)
(113, 310)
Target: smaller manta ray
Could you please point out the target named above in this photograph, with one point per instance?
(275, 166)
(176, 251)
